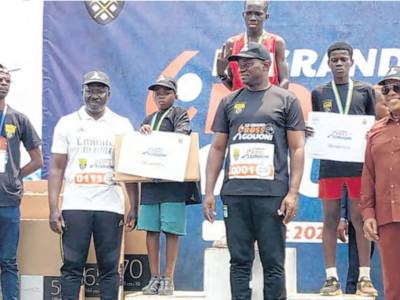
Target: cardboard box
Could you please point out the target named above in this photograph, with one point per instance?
(39, 258)
(192, 167)
(39, 252)
(34, 203)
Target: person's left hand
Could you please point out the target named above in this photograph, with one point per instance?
(342, 231)
(370, 228)
(145, 129)
(289, 207)
(131, 220)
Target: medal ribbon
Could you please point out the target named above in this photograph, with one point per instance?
(339, 99)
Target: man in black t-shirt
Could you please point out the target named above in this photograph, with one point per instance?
(260, 124)
(14, 129)
(345, 96)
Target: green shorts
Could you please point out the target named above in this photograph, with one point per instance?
(169, 217)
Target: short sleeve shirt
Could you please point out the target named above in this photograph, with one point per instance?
(89, 145)
(253, 119)
(362, 103)
(17, 128)
(175, 120)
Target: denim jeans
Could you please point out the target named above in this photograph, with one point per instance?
(249, 219)
(106, 228)
(9, 236)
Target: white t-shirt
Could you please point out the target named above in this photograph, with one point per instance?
(89, 144)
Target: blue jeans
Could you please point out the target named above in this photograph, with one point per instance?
(9, 236)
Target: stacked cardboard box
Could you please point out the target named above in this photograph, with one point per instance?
(39, 252)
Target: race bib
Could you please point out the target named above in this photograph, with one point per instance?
(3, 154)
(94, 178)
(251, 161)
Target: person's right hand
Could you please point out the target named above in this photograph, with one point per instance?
(222, 61)
(309, 131)
(209, 208)
(342, 231)
(56, 221)
(145, 129)
(371, 229)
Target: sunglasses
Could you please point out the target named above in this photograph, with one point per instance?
(387, 87)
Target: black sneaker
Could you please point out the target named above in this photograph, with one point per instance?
(331, 287)
(152, 287)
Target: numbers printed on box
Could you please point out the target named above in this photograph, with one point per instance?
(55, 287)
(136, 271)
(51, 288)
(90, 275)
(91, 280)
(130, 268)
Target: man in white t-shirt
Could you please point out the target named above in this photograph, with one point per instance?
(93, 204)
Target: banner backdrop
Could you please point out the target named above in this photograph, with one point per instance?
(138, 41)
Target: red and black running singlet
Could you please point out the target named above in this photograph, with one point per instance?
(239, 41)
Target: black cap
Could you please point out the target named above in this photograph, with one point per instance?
(96, 76)
(167, 82)
(393, 73)
(253, 50)
(3, 69)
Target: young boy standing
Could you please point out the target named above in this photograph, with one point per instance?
(163, 207)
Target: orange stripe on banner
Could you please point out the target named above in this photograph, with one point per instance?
(304, 96)
(218, 91)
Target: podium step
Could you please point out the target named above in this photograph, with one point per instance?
(319, 297)
(216, 274)
(178, 295)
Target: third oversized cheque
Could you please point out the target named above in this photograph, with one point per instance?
(338, 137)
(161, 155)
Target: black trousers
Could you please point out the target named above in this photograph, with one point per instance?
(106, 228)
(249, 219)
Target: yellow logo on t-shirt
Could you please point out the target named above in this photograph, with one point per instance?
(236, 153)
(10, 130)
(327, 105)
(238, 107)
(82, 163)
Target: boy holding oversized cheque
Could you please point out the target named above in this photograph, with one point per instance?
(347, 97)
(162, 207)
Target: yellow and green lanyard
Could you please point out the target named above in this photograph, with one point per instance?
(260, 39)
(153, 125)
(339, 99)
